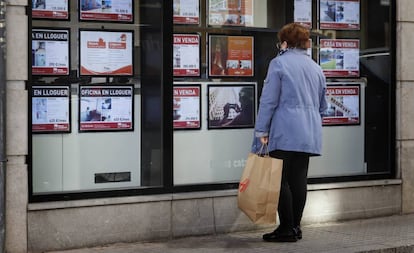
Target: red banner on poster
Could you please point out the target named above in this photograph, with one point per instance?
(106, 108)
(106, 53)
(231, 12)
(50, 109)
(343, 106)
(50, 9)
(339, 14)
(231, 55)
(186, 55)
(186, 107)
(339, 57)
(50, 52)
(186, 12)
(115, 11)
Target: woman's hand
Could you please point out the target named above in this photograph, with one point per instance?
(264, 139)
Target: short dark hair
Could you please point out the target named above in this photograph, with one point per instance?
(295, 35)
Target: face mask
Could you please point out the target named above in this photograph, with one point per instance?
(280, 49)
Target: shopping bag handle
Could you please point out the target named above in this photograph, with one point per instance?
(264, 148)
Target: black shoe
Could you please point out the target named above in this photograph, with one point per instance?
(298, 232)
(278, 236)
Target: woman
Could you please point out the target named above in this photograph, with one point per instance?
(289, 121)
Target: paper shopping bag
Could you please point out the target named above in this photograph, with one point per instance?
(259, 188)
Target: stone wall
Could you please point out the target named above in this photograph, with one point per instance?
(17, 122)
(87, 223)
(405, 101)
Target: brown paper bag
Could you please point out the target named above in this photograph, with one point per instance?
(259, 188)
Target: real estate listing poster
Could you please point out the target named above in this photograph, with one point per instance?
(230, 12)
(106, 53)
(50, 52)
(106, 108)
(186, 12)
(50, 109)
(302, 13)
(231, 106)
(339, 57)
(50, 9)
(231, 55)
(186, 50)
(187, 107)
(339, 14)
(343, 105)
(106, 10)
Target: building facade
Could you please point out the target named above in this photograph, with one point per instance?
(117, 132)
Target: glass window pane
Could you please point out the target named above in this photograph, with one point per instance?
(362, 149)
(114, 140)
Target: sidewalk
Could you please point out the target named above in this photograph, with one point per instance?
(393, 234)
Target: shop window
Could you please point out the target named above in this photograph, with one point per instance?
(152, 96)
(352, 43)
(96, 120)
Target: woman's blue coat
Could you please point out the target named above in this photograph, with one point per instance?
(291, 104)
